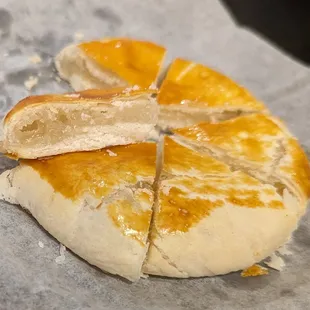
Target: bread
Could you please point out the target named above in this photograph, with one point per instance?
(98, 204)
(192, 93)
(110, 63)
(219, 195)
(54, 124)
(211, 219)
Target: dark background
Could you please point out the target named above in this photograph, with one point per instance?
(284, 23)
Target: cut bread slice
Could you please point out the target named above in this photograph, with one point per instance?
(210, 220)
(54, 124)
(110, 63)
(192, 93)
(257, 144)
(98, 204)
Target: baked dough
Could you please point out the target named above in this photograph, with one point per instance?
(211, 220)
(110, 63)
(229, 188)
(54, 124)
(193, 93)
(98, 204)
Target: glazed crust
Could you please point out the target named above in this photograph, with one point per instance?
(258, 143)
(197, 86)
(136, 62)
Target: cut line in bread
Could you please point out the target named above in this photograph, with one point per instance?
(192, 93)
(47, 125)
(111, 63)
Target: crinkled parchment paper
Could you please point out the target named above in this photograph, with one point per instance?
(203, 31)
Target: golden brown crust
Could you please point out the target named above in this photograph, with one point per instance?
(194, 85)
(180, 209)
(90, 95)
(96, 172)
(247, 137)
(134, 224)
(182, 160)
(188, 198)
(137, 62)
(257, 139)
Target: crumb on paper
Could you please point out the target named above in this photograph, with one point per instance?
(254, 271)
(275, 262)
(31, 82)
(78, 36)
(61, 258)
(41, 244)
(35, 59)
(283, 250)
(111, 153)
(144, 276)
(62, 249)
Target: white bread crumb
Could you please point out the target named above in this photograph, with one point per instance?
(78, 36)
(62, 249)
(111, 153)
(283, 250)
(35, 59)
(31, 82)
(61, 258)
(41, 244)
(276, 262)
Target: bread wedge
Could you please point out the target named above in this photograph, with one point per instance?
(98, 204)
(193, 93)
(211, 220)
(47, 125)
(110, 63)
